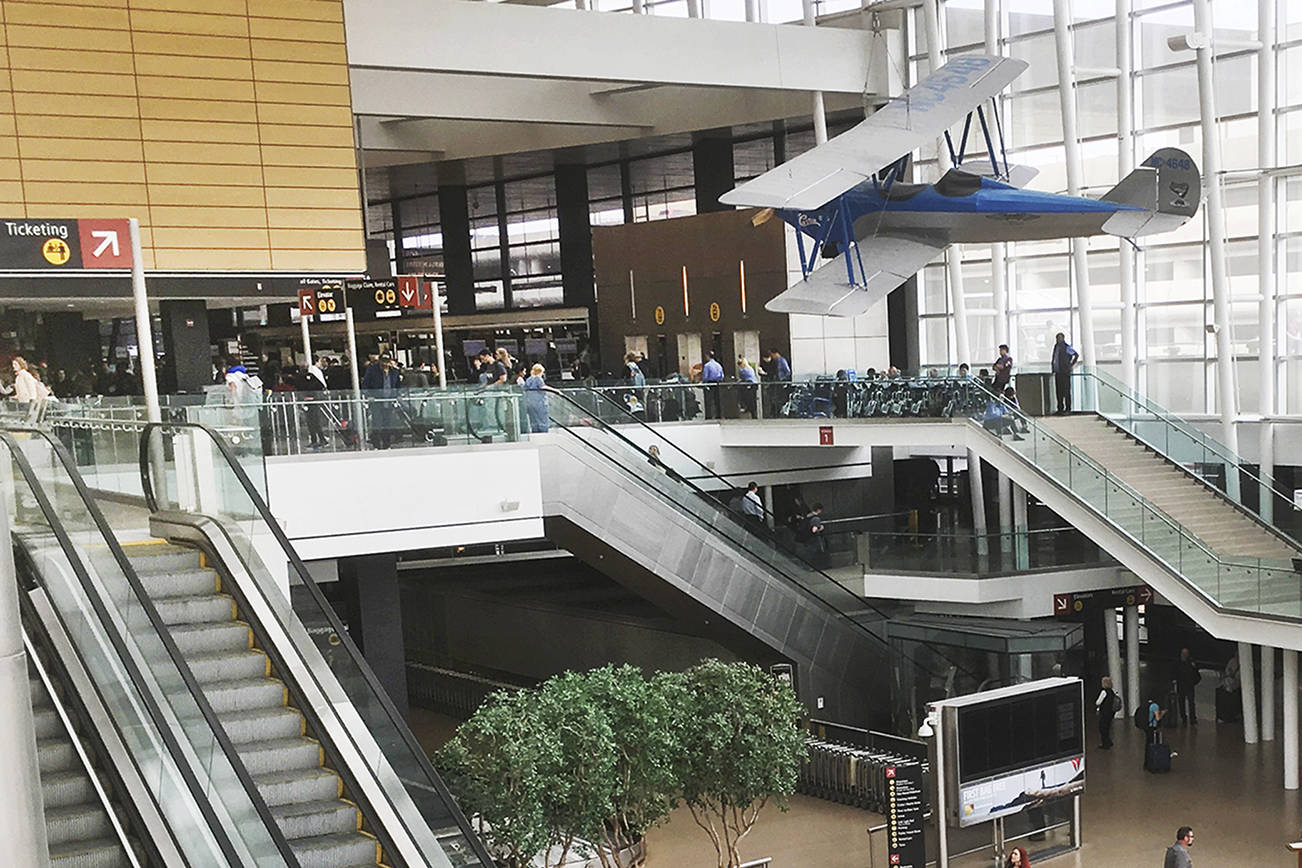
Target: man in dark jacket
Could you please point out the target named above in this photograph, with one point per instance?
(381, 380)
(1187, 677)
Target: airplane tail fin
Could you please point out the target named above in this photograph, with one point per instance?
(1163, 193)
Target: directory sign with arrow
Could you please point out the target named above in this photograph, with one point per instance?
(64, 245)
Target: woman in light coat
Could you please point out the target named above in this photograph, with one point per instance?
(26, 387)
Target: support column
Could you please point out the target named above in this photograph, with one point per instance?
(458, 264)
(503, 236)
(188, 345)
(998, 251)
(395, 218)
(1248, 692)
(1131, 616)
(712, 168)
(1125, 164)
(1113, 645)
(370, 584)
(1267, 693)
(1021, 533)
(1290, 720)
(575, 232)
(1267, 279)
(1024, 670)
(1227, 403)
(1071, 143)
(1004, 497)
(819, 111)
(977, 488)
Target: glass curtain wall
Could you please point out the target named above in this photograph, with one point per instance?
(1177, 354)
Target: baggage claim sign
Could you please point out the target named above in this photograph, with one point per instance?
(64, 245)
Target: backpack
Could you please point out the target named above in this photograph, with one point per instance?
(1141, 716)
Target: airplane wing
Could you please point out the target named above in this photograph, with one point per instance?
(921, 113)
(826, 292)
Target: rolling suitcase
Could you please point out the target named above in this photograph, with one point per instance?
(1229, 707)
(1157, 756)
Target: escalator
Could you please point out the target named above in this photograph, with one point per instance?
(282, 763)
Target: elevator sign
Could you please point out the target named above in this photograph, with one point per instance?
(64, 245)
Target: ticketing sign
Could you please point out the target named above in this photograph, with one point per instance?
(64, 245)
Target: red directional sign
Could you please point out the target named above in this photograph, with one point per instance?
(104, 243)
(1061, 602)
(426, 301)
(408, 291)
(306, 302)
(825, 435)
(1144, 595)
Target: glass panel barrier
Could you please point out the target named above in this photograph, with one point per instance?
(194, 469)
(213, 811)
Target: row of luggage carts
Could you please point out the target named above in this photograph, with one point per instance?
(850, 774)
(893, 398)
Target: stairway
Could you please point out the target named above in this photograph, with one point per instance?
(287, 765)
(1227, 530)
(77, 827)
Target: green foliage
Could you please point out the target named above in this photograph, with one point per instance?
(604, 756)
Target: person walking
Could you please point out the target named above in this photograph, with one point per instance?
(711, 377)
(312, 382)
(1064, 358)
(1107, 705)
(1003, 368)
(1187, 677)
(752, 506)
(1177, 855)
(382, 379)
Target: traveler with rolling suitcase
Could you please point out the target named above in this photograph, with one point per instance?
(1157, 754)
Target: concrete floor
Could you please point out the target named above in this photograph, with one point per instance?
(1229, 792)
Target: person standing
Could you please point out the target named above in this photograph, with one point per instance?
(382, 380)
(711, 377)
(535, 399)
(1017, 858)
(775, 370)
(1064, 358)
(1187, 677)
(1003, 368)
(746, 392)
(752, 506)
(1107, 705)
(312, 382)
(1177, 855)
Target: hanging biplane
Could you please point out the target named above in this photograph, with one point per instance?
(847, 202)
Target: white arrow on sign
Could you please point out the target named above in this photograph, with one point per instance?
(109, 239)
(408, 293)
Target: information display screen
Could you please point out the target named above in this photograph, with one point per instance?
(1020, 732)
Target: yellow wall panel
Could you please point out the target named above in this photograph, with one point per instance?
(11, 192)
(8, 126)
(81, 171)
(6, 80)
(205, 24)
(319, 260)
(276, 49)
(309, 94)
(160, 108)
(70, 60)
(51, 192)
(205, 195)
(314, 218)
(63, 209)
(74, 104)
(227, 239)
(281, 197)
(299, 239)
(200, 152)
(299, 176)
(240, 68)
(299, 31)
(207, 217)
(300, 134)
(10, 170)
(312, 115)
(171, 43)
(195, 88)
(41, 14)
(220, 7)
(202, 173)
(288, 155)
(301, 10)
(94, 150)
(198, 131)
(62, 126)
(90, 83)
(9, 147)
(217, 260)
(304, 71)
(31, 36)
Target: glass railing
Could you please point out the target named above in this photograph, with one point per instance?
(193, 469)
(1240, 583)
(213, 809)
(971, 555)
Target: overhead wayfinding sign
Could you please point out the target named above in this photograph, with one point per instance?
(380, 296)
(322, 298)
(906, 805)
(64, 245)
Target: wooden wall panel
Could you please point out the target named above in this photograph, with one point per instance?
(224, 125)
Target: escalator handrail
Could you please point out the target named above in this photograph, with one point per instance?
(859, 603)
(433, 779)
(196, 787)
(169, 644)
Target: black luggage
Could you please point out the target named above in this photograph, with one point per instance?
(1157, 757)
(1171, 719)
(1229, 706)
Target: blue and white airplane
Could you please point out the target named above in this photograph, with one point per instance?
(878, 231)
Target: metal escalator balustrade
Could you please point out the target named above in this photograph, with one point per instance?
(1242, 583)
(200, 494)
(81, 587)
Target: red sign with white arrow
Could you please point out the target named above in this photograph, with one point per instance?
(1060, 603)
(104, 243)
(408, 291)
(306, 302)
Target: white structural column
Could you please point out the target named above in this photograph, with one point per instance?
(1071, 142)
(1125, 164)
(1131, 616)
(998, 251)
(307, 337)
(1267, 693)
(1290, 720)
(820, 113)
(977, 488)
(1248, 692)
(953, 255)
(1226, 391)
(1113, 645)
(1266, 252)
(144, 325)
(1005, 498)
(1021, 542)
(752, 10)
(22, 815)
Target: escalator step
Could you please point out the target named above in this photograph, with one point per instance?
(60, 789)
(228, 665)
(245, 694)
(183, 583)
(334, 851)
(97, 853)
(205, 609)
(281, 755)
(299, 785)
(244, 727)
(210, 638)
(48, 724)
(313, 819)
(150, 558)
(76, 823)
(55, 755)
